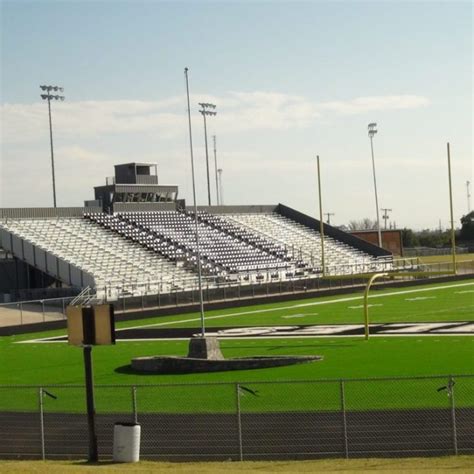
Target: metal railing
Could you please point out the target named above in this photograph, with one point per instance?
(184, 292)
(395, 417)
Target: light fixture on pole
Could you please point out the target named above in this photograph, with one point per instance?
(372, 128)
(385, 216)
(49, 96)
(205, 106)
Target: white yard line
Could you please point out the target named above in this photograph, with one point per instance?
(268, 310)
(300, 305)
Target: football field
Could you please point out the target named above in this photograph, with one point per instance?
(416, 331)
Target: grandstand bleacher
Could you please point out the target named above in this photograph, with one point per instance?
(119, 249)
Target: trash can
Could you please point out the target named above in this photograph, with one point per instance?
(127, 442)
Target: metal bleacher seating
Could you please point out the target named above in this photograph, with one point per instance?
(304, 243)
(225, 250)
(113, 262)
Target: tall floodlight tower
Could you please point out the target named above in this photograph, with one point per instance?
(205, 106)
(372, 128)
(468, 190)
(49, 97)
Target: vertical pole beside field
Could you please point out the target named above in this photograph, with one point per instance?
(134, 404)
(321, 223)
(453, 235)
(93, 453)
(344, 420)
(198, 253)
(239, 421)
(41, 410)
(453, 414)
(366, 302)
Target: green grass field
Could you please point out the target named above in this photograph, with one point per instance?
(344, 357)
(457, 464)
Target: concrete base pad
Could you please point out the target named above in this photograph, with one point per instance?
(183, 365)
(204, 348)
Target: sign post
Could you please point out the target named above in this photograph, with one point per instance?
(89, 326)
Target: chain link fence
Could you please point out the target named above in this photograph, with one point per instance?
(391, 417)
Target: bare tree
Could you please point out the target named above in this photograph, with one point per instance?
(364, 224)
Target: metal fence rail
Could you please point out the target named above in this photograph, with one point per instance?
(418, 416)
(43, 310)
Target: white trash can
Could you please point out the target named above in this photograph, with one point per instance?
(127, 442)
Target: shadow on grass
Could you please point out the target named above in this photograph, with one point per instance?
(128, 370)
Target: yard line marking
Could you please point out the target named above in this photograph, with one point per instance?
(466, 327)
(362, 306)
(462, 292)
(417, 328)
(420, 298)
(301, 305)
(291, 316)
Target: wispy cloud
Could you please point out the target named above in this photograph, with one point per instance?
(369, 104)
(238, 111)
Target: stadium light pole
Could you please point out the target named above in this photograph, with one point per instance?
(216, 170)
(221, 192)
(453, 234)
(201, 301)
(372, 131)
(205, 106)
(49, 97)
(321, 223)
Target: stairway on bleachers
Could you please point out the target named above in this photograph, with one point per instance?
(225, 250)
(304, 244)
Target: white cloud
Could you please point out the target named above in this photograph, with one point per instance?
(370, 104)
(237, 111)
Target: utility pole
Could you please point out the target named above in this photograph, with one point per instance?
(329, 214)
(385, 216)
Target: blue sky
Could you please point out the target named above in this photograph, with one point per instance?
(290, 80)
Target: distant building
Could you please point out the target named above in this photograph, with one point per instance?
(391, 239)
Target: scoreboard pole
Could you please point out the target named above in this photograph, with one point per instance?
(93, 452)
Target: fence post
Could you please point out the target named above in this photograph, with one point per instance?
(134, 404)
(21, 313)
(42, 305)
(41, 412)
(64, 310)
(344, 420)
(239, 421)
(453, 414)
